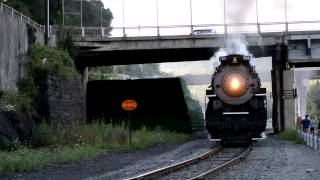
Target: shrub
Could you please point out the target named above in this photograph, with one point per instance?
(55, 144)
(56, 62)
(291, 135)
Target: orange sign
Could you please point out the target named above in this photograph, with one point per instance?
(129, 105)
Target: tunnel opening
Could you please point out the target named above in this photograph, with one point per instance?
(161, 103)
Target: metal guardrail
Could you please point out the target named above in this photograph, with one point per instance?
(311, 140)
(18, 15)
(263, 27)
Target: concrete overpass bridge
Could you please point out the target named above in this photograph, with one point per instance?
(99, 50)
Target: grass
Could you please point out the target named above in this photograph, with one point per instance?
(55, 145)
(291, 135)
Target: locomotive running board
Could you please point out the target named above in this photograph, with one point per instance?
(234, 113)
(263, 137)
(212, 95)
(215, 140)
(260, 94)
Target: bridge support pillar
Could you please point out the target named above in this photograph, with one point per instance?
(278, 65)
(84, 79)
(289, 94)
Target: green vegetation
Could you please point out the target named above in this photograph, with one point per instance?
(25, 98)
(55, 144)
(291, 135)
(55, 62)
(92, 11)
(194, 109)
(313, 98)
(133, 71)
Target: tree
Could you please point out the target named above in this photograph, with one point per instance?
(313, 99)
(91, 11)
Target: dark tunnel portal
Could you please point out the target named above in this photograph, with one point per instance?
(160, 103)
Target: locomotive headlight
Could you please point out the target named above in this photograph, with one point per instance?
(235, 84)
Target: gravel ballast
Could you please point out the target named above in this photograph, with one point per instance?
(277, 159)
(181, 153)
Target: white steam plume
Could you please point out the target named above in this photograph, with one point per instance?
(234, 44)
(238, 11)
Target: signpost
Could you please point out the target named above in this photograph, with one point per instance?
(129, 105)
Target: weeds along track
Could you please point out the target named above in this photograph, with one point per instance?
(204, 166)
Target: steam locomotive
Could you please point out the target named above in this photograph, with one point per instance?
(236, 110)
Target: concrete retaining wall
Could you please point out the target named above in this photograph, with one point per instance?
(14, 47)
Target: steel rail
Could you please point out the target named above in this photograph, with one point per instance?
(217, 170)
(176, 167)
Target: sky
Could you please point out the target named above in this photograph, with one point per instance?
(177, 12)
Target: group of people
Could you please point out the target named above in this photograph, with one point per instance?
(309, 124)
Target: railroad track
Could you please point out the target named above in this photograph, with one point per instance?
(204, 166)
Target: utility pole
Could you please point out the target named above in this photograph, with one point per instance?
(123, 30)
(257, 14)
(62, 3)
(224, 17)
(47, 15)
(317, 101)
(286, 15)
(81, 25)
(157, 8)
(190, 2)
(101, 14)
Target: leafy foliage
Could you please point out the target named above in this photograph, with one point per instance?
(194, 109)
(312, 99)
(18, 5)
(92, 11)
(27, 93)
(56, 62)
(291, 135)
(23, 100)
(133, 71)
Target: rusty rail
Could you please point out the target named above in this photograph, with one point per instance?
(176, 167)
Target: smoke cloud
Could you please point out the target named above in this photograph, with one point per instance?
(234, 44)
(237, 11)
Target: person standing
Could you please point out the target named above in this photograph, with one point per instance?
(312, 125)
(306, 123)
(299, 122)
(318, 128)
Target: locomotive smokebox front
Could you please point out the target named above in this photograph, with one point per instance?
(235, 81)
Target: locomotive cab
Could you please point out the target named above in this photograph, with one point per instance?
(236, 110)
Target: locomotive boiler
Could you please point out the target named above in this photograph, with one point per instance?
(236, 110)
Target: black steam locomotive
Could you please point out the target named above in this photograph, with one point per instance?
(236, 111)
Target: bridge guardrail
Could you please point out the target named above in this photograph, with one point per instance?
(261, 27)
(18, 15)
